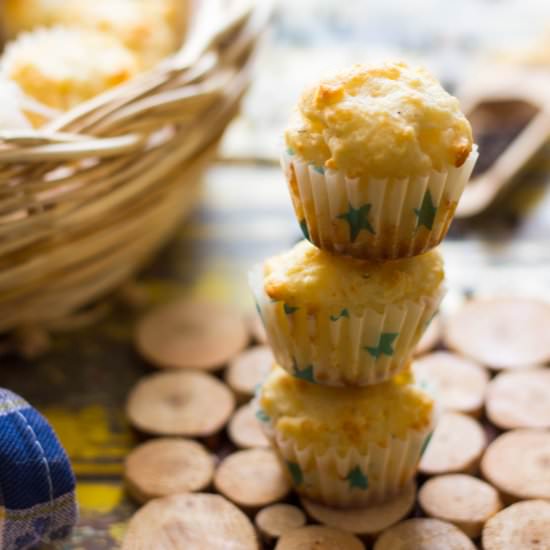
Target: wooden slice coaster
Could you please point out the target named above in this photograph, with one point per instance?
(249, 369)
(315, 537)
(431, 337)
(244, 429)
(424, 534)
(186, 334)
(167, 466)
(524, 525)
(190, 522)
(257, 328)
(188, 403)
(456, 446)
(276, 520)
(462, 500)
(364, 521)
(460, 383)
(520, 399)
(517, 463)
(501, 333)
(252, 478)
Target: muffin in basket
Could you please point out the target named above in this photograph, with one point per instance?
(347, 447)
(340, 321)
(62, 67)
(152, 29)
(376, 160)
(149, 28)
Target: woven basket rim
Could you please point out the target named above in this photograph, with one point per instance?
(65, 134)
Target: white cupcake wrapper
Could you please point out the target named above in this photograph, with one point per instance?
(352, 480)
(338, 348)
(389, 226)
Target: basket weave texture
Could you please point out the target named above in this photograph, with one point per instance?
(87, 199)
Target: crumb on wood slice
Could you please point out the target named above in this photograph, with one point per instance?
(167, 466)
(522, 526)
(252, 478)
(185, 334)
(456, 446)
(364, 521)
(463, 500)
(186, 403)
(194, 521)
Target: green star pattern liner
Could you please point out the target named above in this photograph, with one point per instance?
(355, 478)
(358, 220)
(307, 373)
(371, 218)
(341, 346)
(427, 211)
(384, 346)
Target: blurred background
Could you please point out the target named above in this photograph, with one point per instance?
(84, 370)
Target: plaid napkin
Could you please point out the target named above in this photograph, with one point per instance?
(37, 499)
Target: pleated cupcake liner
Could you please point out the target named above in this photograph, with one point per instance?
(353, 479)
(375, 219)
(340, 347)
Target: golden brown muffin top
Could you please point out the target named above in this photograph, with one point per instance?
(388, 120)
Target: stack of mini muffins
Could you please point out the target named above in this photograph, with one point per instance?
(376, 160)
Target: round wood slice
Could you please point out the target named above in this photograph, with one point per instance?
(520, 399)
(364, 521)
(460, 383)
(277, 519)
(188, 403)
(462, 500)
(522, 526)
(245, 430)
(257, 328)
(456, 446)
(517, 463)
(431, 337)
(424, 534)
(315, 537)
(252, 478)
(167, 466)
(248, 370)
(186, 334)
(190, 522)
(501, 333)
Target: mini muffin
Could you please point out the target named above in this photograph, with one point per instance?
(62, 67)
(146, 27)
(152, 29)
(376, 160)
(340, 321)
(347, 447)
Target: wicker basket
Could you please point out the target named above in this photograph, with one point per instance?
(88, 198)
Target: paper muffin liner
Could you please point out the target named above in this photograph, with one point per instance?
(341, 348)
(375, 219)
(351, 479)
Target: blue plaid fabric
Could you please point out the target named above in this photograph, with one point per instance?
(37, 499)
